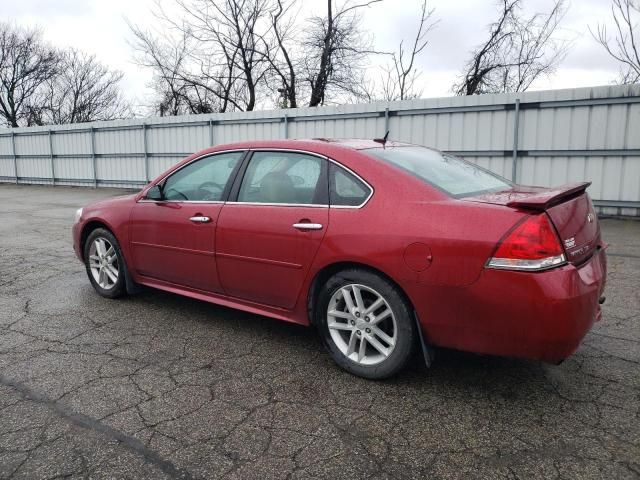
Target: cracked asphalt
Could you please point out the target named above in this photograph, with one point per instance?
(160, 386)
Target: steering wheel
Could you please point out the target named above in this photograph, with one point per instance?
(210, 191)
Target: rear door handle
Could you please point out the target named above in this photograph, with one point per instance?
(308, 226)
(200, 219)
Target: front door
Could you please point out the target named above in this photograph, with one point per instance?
(173, 239)
(268, 238)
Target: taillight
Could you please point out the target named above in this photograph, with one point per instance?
(532, 245)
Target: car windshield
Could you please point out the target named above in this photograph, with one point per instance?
(450, 174)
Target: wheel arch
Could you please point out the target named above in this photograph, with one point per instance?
(329, 270)
(94, 224)
(89, 227)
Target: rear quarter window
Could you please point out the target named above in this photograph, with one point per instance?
(345, 189)
(454, 176)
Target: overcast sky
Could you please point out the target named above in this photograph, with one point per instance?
(99, 27)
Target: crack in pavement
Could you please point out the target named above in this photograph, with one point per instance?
(89, 423)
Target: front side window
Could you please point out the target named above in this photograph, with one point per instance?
(345, 189)
(450, 174)
(284, 177)
(202, 180)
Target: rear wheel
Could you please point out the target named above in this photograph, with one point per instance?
(366, 324)
(104, 263)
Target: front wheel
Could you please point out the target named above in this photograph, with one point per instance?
(365, 323)
(104, 263)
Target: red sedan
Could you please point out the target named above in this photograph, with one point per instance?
(384, 247)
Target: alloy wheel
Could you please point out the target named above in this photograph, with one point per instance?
(103, 263)
(361, 324)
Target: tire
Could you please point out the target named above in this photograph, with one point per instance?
(343, 330)
(106, 271)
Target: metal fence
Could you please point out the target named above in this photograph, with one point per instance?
(536, 138)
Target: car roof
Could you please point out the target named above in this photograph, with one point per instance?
(313, 144)
(358, 143)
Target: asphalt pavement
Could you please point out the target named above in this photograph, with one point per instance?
(161, 386)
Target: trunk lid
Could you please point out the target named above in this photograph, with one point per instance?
(569, 208)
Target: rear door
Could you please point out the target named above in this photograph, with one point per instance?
(173, 239)
(269, 232)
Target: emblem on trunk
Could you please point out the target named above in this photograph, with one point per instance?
(590, 217)
(570, 242)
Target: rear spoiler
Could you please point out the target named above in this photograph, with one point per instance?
(548, 198)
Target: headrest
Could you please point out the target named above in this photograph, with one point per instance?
(277, 187)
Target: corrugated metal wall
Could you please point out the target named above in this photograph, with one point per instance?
(539, 138)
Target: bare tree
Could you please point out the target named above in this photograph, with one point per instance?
(518, 51)
(168, 57)
(625, 45)
(335, 49)
(84, 91)
(235, 28)
(400, 77)
(279, 55)
(240, 53)
(217, 54)
(163, 57)
(26, 63)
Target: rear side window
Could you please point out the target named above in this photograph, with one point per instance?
(284, 178)
(345, 189)
(450, 174)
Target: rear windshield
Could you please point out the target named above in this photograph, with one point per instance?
(450, 174)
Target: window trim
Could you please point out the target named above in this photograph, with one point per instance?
(235, 190)
(239, 178)
(238, 174)
(351, 177)
(367, 184)
(228, 186)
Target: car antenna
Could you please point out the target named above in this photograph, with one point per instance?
(382, 140)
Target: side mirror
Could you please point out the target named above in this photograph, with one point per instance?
(155, 193)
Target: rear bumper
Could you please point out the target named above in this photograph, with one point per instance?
(541, 316)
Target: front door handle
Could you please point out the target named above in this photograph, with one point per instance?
(308, 226)
(200, 219)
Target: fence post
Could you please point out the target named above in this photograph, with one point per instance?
(210, 132)
(13, 152)
(51, 162)
(286, 126)
(146, 153)
(386, 120)
(514, 157)
(93, 158)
